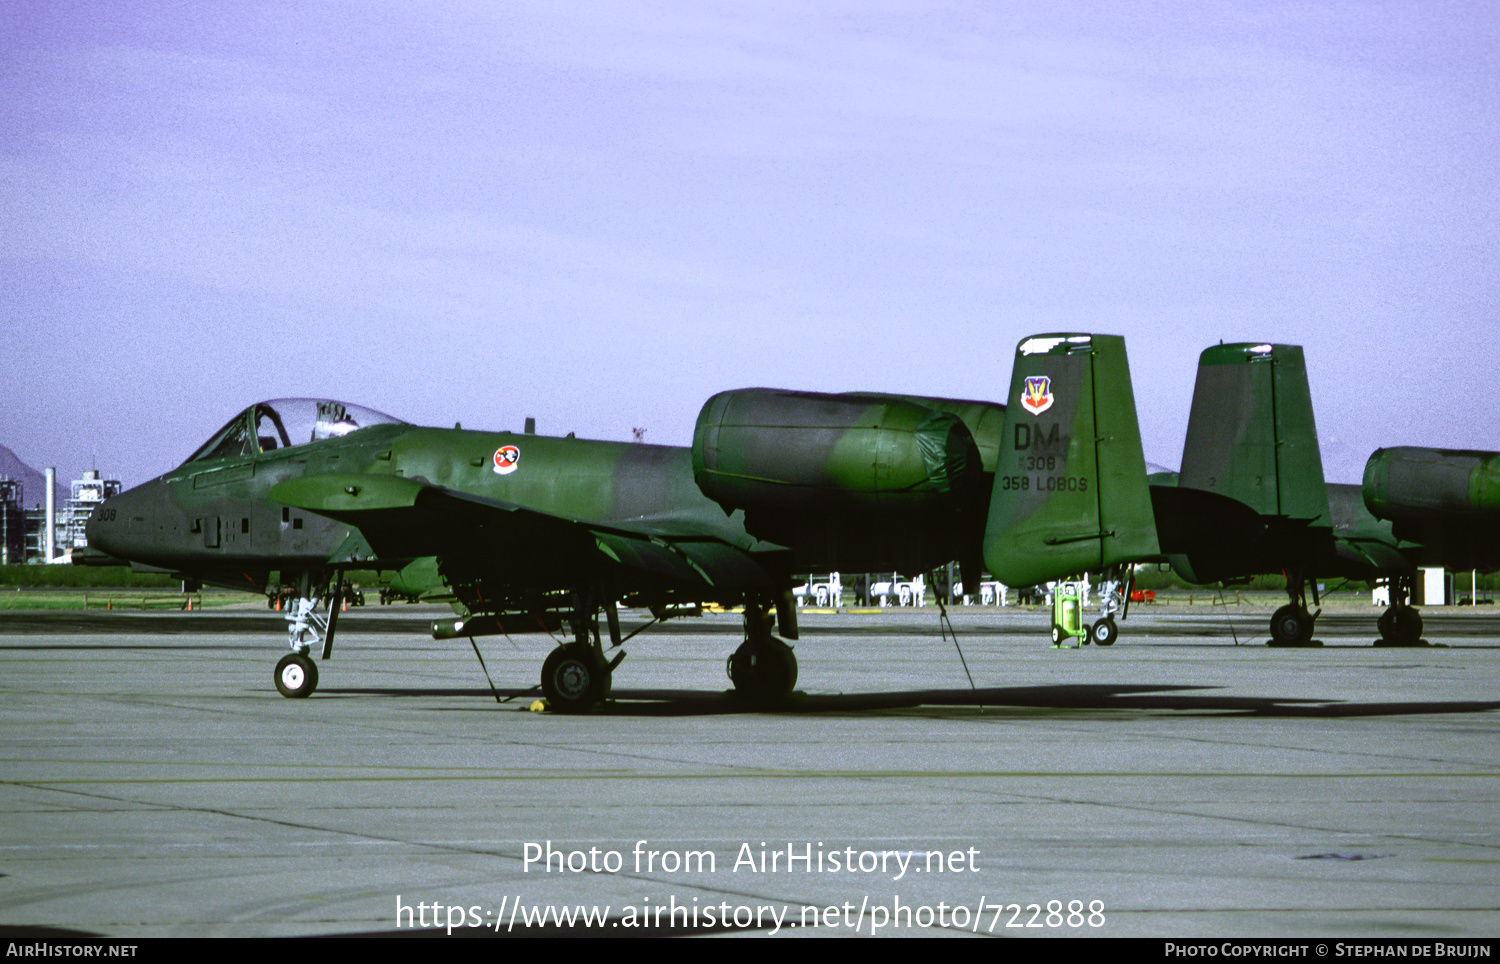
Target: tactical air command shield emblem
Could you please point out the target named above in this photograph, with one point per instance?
(507, 457)
(1036, 396)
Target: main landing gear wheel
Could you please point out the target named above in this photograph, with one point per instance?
(1104, 632)
(763, 670)
(573, 679)
(1400, 626)
(296, 676)
(1291, 626)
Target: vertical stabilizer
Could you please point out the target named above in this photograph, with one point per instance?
(1070, 491)
(1251, 435)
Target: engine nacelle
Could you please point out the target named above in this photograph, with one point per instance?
(762, 449)
(1431, 485)
(984, 420)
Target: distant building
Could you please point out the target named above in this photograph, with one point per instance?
(12, 523)
(88, 492)
(23, 531)
(36, 535)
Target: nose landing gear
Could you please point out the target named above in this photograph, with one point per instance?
(309, 625)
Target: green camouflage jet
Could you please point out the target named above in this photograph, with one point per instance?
(526, 532)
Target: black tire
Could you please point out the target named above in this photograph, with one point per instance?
(1104, 632)
(1406, 626)
(573, 679)
(764, 670)
(1057, 634)
(1291, 626)
(296, 676)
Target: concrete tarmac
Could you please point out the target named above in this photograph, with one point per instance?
(1174, 785)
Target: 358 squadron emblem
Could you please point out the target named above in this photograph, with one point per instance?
(507, 457)
(1036, 396)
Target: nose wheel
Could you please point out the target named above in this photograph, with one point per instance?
(296, 676)
(311, 617)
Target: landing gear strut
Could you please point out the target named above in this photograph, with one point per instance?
(764, 668)
(1401, 624)
(1292, 624)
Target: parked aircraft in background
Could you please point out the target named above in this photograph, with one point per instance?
(1442, 506)
(1445, 500)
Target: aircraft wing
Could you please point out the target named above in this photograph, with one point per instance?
(401, 518)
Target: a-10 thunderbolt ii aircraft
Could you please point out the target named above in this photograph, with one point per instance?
(529, 532)
(1250, 498)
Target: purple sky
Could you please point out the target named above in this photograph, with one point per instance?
(600, 214)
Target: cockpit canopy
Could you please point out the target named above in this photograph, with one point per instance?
(285, 422)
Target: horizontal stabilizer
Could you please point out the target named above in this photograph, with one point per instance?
(1183, 515)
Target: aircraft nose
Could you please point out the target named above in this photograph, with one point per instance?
(108, 528)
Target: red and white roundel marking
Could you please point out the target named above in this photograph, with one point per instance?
(507, 457)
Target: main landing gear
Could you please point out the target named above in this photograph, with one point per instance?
(575, 677)
(311, 618)
(1401, 624)
(1292, 624)
(764, 668)
(578, 675)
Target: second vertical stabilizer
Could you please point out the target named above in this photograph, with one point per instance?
(1251, 435)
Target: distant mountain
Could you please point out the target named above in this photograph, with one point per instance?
(33, 483)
